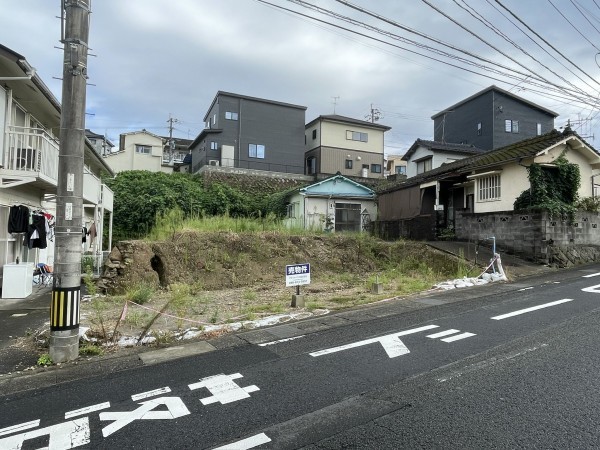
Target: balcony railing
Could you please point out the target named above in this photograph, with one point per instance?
(91, 187)
(31, 150)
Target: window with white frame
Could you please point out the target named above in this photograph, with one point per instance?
(256, 151)
(511, 126)
(231, 115)
(488, 188)
(143, 149)
(213, 145)
(478, 128)
(539, 129)
(357, 136)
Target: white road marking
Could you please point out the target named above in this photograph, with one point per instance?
(20, 427)
(442, 333)
(71, 434)
(533, 308)
(175, 408)
(87, 409)
(18, 315)
(595, 289)
(154, 393)
(592, 275)
(392, 345)
(458, 337)
(280, 340)
(526, 289)
(247, 443)
(223, 388)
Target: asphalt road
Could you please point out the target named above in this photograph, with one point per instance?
(506, 368)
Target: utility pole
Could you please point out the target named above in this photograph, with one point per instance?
(171, 141)
(374, 116)
(335, 99)
(66, 290)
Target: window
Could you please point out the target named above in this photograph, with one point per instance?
(291, 210)
(347, 217)
(213, 145)
(356, 136)
(314, 133)
(256, 151)
(488, 188)
(479, 129)
(311, 165)
(348, 164)
(231, 115)
(424, 165)
(214, 119)
(539, 129)
(401, 170)
(511, 126)
(143, 149)
(376, 168)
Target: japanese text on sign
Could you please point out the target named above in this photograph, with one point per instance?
(297, 274)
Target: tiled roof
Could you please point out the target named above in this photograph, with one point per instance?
(465, 149)
(526, 148)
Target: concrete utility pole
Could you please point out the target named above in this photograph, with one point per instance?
(66, 291)
(171, 141)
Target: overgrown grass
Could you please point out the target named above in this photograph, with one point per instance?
(139, 293)
(168, 223)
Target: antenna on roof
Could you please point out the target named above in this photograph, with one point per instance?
(335, 99)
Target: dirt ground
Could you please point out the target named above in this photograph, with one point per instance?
(213, 282)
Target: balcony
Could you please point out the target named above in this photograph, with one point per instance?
(31, 155)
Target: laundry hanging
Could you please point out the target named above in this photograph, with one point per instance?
(36, 232)
(18, 219)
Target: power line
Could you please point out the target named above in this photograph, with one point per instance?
(574, 27)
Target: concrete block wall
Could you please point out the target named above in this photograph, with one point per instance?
(531, 235)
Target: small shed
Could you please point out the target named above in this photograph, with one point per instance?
(334, 204)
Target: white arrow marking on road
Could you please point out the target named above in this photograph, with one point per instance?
(392, 345)
(533, 308)
(247, 443)
(595, 289)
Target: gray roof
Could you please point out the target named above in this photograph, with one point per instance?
(247, 97)
(463, 149)
(350, 120)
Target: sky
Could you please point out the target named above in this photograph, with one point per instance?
(157, 59)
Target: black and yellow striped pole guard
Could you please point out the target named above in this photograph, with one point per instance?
(64, 310)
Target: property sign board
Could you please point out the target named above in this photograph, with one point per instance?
(297, 274)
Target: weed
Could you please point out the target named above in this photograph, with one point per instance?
(311, 306)
(139, 293)
(90, 350)
(88, 280)
(45, 360)
(137, 318)
(249, 295)
(215, 316)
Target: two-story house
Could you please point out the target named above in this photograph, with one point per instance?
(341, 144)
(101, 144)
(29, 150)
(492, 118)
(251, 133)
(143, 150)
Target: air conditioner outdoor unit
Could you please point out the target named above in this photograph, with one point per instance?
(213, 162)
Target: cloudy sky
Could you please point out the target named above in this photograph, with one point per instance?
(158, 58)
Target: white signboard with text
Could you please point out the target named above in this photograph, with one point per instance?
(297, 274)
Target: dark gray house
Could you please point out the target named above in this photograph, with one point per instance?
(251, 133)
(492, 118)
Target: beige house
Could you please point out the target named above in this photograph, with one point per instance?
(341, 144)
(29, 149)
(485, 183)
(395, 165)
(143, 150)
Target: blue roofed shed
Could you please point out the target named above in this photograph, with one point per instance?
(334, 204)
